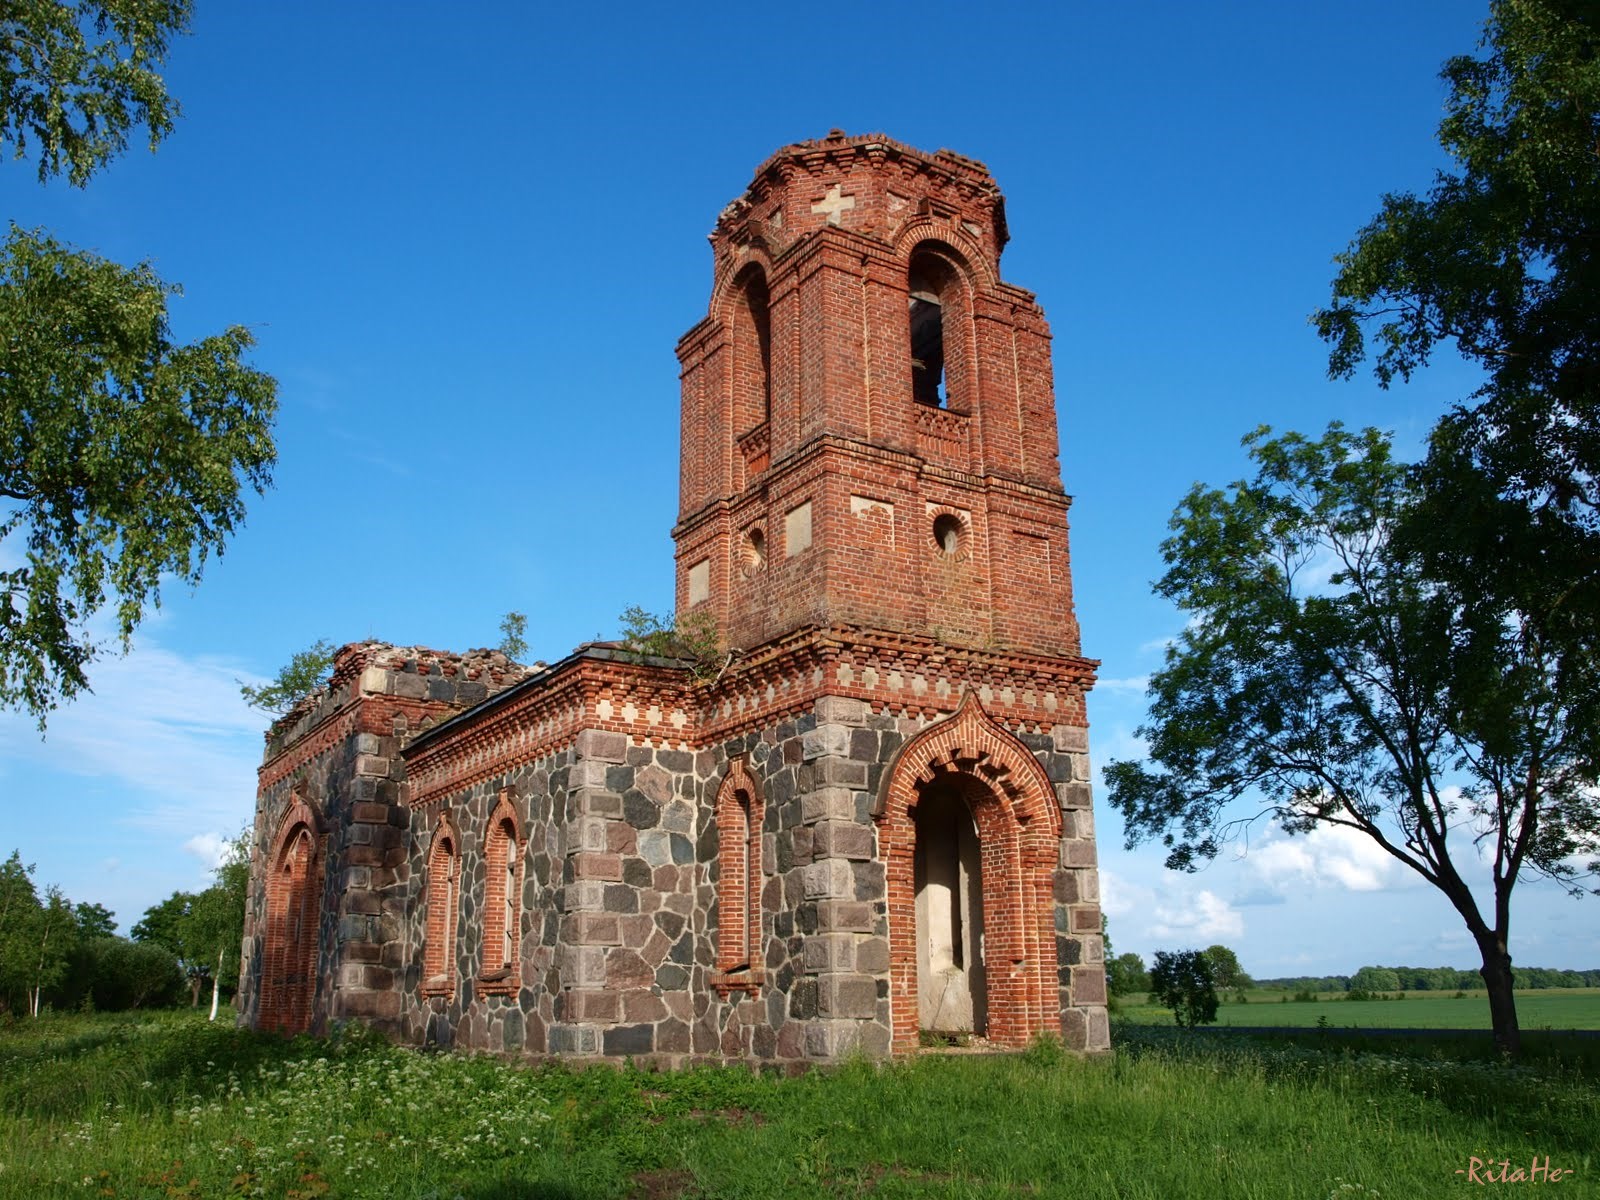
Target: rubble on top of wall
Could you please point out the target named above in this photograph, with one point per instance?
(373, 668)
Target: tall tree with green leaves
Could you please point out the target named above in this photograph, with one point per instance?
(1181, 980)
(19, 907)
(1228, 975)
(124, 455)
(1497, 262)
(1327, 678)
(54, 934)
(76, 79)
(95, 920)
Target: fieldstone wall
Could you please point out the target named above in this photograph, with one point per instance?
(467, 1017)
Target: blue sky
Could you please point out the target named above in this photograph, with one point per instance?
(467, 242)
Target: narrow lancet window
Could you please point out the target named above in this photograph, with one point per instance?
(927, 345)
(502, 914)
(739, 816)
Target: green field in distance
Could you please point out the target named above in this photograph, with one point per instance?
(1551, 1008)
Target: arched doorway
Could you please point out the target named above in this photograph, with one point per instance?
(948, 872)
(970, 834)
(294, 909)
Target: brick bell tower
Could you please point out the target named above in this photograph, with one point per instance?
(869, 428)
(870, 477)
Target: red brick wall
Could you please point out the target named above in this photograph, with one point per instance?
(831, 232)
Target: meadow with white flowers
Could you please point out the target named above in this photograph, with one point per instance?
(168, 1107)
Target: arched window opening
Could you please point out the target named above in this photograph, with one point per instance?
(759, 302)
(502, 912)
(937, 310)
(444, 899)
(508, 945)
(752, 350)
(927, 346)
(293, 911)
(739, 817)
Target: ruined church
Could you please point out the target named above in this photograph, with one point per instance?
(870, 825)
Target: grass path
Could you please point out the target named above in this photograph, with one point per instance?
(173, 1109)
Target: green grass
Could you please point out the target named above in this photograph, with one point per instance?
(172, 1108)
(1554, 1008)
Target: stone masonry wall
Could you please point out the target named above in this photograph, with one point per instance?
(619, 914)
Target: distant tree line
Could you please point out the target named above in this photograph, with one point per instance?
(1429, 979)
(55, 954)
(1126, 975)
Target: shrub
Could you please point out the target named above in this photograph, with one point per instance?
(1182, 981)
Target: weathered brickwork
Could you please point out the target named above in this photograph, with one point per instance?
(872, 822)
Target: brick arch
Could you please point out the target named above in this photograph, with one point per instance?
(967, 254)
(444, 903)
(724, 287)
(293, 925)
(1019, 825)
(740, 812)
(746, 305)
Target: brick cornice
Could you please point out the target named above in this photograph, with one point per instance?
(544, 715)
(365, 714)
(898, 672)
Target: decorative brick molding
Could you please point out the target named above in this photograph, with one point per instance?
(1018, 821)
(739, 815)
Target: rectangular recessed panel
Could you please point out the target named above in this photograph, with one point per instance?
(797, 529)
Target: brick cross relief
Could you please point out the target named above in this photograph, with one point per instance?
(833, 204)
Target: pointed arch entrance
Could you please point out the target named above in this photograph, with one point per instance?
(294, 910)
(970, 835)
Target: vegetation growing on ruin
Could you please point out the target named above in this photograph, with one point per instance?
(689, 636)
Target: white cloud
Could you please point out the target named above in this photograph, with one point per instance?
(210, 848)
(1136, 685)
(173, 731)
(1330, 856)
(1197, 919)
(1120, 898)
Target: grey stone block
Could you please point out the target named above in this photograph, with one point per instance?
(602, 745)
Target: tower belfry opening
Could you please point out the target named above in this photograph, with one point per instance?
(928, 384)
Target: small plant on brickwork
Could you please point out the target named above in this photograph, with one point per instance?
(692, 636)
(303, 674)
(513, 635)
